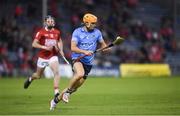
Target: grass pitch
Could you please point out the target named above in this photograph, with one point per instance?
(98, 96)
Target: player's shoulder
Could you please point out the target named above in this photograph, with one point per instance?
(97, 30)
(41, 30)
(56, 30)
(78, 29)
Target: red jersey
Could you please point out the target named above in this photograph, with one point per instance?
(47, 38)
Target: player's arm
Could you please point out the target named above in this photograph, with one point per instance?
(74, 48)
(102, 44)
(36, 43)
(60, 46)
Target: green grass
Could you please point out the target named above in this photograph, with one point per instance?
(98, 96)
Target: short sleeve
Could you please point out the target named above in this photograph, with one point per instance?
(100, 38)
(38, 35)
(75, 36)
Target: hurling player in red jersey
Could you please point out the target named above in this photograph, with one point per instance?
(49, 43)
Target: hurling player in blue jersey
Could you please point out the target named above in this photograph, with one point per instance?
(84, 42)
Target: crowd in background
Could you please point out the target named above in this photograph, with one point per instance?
(19, 20)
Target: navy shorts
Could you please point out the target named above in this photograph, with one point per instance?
(87, 68)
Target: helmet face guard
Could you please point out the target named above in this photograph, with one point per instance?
(49, 22)
(90, 21)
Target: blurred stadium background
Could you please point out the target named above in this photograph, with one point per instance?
(151, 29)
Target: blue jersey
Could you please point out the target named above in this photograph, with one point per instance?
(86, 41)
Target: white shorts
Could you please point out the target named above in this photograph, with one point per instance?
(42, 63)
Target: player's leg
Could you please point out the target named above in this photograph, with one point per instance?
(79, 83)
(87, 69)
(67, 92)
(41, 64)
(76, 86)
(75, 82)
(36, 75)
(54, 65)
(78, 74)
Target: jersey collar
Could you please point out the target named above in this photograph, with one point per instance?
(49, 30)
(82, 29)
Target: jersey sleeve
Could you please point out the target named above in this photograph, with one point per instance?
(38, 35)
(100, 37)
(75, 36)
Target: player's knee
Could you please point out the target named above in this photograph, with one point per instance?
(56, 74)
(80, 75)
(36, 75)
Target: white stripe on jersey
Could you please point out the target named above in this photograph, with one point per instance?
(37, 34)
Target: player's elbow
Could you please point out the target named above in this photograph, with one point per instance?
(33, 44)
(73, 49)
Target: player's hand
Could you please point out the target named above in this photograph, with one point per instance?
(107, 50)
(56, 48)
(88, 53)
(48, 48)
